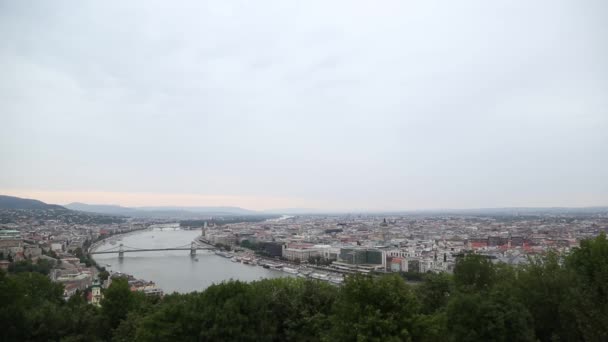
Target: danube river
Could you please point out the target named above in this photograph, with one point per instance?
(176, 270)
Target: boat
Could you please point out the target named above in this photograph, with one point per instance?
(196, 259)
(266, 266)
(336, 279)
(223, 254)
(289, 270)
(305, 272)
(319, 276)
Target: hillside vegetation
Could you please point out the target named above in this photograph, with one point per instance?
(10, 202)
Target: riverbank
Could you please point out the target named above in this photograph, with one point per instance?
(248, 257)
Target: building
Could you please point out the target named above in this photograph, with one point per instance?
(11, 246)
(396, 264)
(358, 256)
(96, 295)
(272, 249)
(223, 239)
(10, 234)
(299, 254)
(413, 265)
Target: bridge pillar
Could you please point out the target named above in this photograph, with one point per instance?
(121, 252)
(192, 248)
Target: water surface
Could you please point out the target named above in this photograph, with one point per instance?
(176, 270)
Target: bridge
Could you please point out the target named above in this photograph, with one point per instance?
(122, 249)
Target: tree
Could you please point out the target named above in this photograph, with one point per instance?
(117, 302)
(434, 292)
(41, 266)
(29, 305)
(374, 309)
(476, 317)
(543, 286)
(103, 275)
(589, 295)
(473, 273)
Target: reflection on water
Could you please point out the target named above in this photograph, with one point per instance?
(177, 270)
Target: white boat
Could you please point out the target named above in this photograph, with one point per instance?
(319, 276)
(223, 254)
(336, 279)
(289, 270)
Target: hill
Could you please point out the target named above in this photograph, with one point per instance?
(160, 212)
(101, 208)
(10, 202)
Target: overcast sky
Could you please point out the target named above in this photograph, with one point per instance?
(315, 104)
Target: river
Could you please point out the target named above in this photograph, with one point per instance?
(176, 271)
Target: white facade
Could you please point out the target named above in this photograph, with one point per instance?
(303, 254)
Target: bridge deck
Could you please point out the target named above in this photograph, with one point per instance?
(153, 250)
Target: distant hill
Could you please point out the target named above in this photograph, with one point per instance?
(101, 208)
(10, 202)
(161, 212)
(296, 211)
(205, 210)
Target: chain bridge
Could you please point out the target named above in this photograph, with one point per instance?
(122, 249)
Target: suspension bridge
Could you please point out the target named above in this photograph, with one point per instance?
(122, 249)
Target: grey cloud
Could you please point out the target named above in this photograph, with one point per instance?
(344, 104)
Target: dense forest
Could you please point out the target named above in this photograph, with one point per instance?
(553, 298)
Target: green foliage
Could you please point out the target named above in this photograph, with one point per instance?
(84, 258)
(248, 244)
(475, 317)
(117, 302)
(589, 266)
(434, 292)
(41, 266)
(412, 276)
(378, 309)
(474, 273)
(272, 309)
(32, 308)
(103, 275)
(543, 286)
